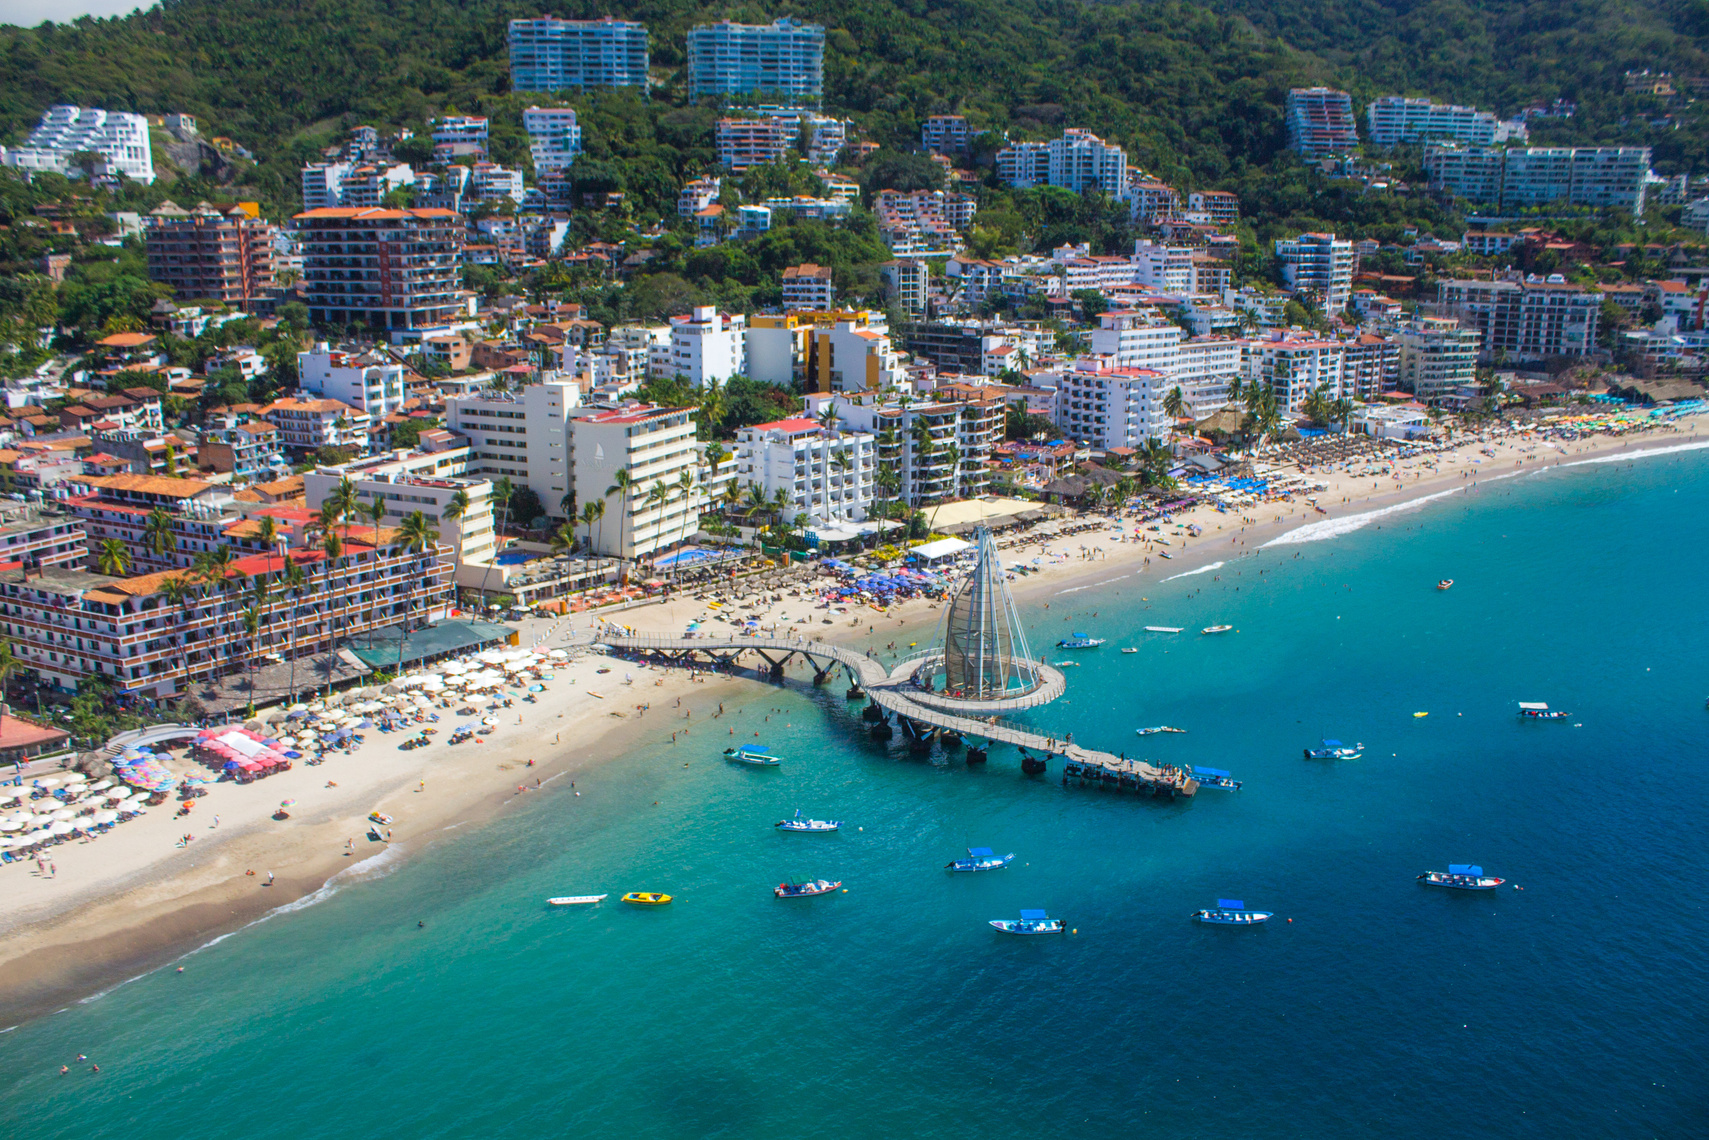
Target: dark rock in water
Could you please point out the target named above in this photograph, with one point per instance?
(976, 755)
(1032, 765)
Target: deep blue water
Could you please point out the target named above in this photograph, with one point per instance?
(1574, 1007)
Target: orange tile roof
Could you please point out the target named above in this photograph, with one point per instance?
(125, 340)
(150, 485)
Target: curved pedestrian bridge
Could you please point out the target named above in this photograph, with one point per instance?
(895, 692)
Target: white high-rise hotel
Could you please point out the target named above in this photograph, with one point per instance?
(1395, 119)
(554, 136)
(120, 139)
(1078, 161)
(548, 54)
(785, 58)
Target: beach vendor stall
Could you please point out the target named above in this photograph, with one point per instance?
(243, 755)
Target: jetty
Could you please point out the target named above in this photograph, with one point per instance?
(896, 693)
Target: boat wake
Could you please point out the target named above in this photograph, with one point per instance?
(1200, 570)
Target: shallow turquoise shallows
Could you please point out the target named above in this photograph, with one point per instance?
(1571, 1008)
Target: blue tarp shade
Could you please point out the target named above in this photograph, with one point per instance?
(1231, 904)
(1077, 633)
(1216, 772)
(1332, 744)
(1464, 869)
(979, 852)
(1033, 916)
(758, 748)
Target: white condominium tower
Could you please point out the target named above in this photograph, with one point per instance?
(549, 54)
(120, 139)
(785, 58)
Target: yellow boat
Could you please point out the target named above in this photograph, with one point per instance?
(646, 898)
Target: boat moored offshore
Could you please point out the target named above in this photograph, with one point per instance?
(1232, 912)
(1216, 629)
(1461, 877)
(1030, 922)
(646, 898)
(1335, 750)
(1215, 778)
(1157, 728)
(1080, 641)
(575, 900)
(1539, 710)
(755, 754)
(980, 859)
(803, 890)
(796, 823)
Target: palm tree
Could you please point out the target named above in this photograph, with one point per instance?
(621, 483)
(417, 534)
(502, 492)
(376, 512)
(157, 533)
(658, 498)
(8, 665)
(827, 432)
(344, 498)
(1235, 393)
(925, 449)
(333, 547)
(179, 592)
(567, 504)
(268, 533)
(1174, 404)
(712, 407)
(251, 628)
(295, 581)
(115, 558)
(687, 487)
(564, 539)
(843, 464)
(591, 514)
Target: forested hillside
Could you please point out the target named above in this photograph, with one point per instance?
(1193, 90)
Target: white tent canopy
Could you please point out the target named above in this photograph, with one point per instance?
(941, 549)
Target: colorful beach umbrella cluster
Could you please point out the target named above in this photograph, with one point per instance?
(142, 769)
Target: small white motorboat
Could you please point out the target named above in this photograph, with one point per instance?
(1163, 628)
(575, 900)
(1216, 629)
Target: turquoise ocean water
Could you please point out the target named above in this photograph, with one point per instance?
(1575, 1007)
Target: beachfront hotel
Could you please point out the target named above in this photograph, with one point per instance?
(656, 445)
(68, 625)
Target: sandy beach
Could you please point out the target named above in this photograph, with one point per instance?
(136, 898)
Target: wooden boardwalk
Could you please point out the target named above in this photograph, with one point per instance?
(896, 696)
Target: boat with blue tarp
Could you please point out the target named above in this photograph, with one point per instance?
(980, 859)
(1335, 750)
(1080, 641)
(1215, 778)
(796, 823)
(1539, 710)
(756, 754)
(793, 890)
(1030, 922)
(1232, 912)
(1461, 877)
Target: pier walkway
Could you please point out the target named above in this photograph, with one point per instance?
(895, 693)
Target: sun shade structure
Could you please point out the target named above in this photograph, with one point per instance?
(985, 654)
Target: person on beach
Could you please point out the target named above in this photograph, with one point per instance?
(269, 878)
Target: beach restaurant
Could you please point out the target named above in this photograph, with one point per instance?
(240, 753)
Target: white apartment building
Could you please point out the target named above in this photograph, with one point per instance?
(420, 481)
(705, 347)
(1204, 367)
(323, 184)
(967, 417)
(461, 131)
(1395, 119)
(1137, 339)
(549, 54)
(826, 139)
(491, 182)
(1219, 207)
(785, 58)
(1437, 357)
(554, 137)
(1078, 161)
(1514, 178)
(754, 142)
(808, 286)
(1320, 265)
(522, 436)
(828, 476)
(1104, 405)
(1293, 367)
(945, 134)
(118, 137)
(1320, 122)
(1531, 319)
(698, 195)
(370, 381)
(1169, 268)
(307, 425)
(655, 445)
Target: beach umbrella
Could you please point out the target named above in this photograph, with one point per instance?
(9, 798)
(65, 813)
(11, 825)
(100, 785)
(76, 778)
(105, 816)
(287, 803)
(61, 827)
(47, 782)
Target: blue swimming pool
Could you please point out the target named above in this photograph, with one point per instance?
(516, 557)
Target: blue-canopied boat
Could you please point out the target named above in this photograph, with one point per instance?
(798, 824)
(1080, 641)
(794, 890)
(1231, 912)
(1158, 728)
(752, 754)
(981, 859)
(1461, 877)
(1215, 778)
(1030, 922)
(1335, 750)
